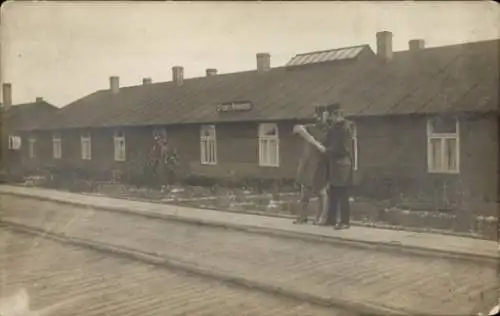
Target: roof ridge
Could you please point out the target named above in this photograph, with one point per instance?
(285, 66)
(196, 78)
(456, 45)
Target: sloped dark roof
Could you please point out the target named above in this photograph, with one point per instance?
(443, 79)
(27, 115)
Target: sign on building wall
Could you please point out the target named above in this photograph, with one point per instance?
(234, 106)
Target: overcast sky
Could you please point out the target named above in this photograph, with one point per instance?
(63, 51)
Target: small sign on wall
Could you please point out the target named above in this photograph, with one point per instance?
(234, 106)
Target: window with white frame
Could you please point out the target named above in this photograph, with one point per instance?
(269, 149)
(119, 145)
(14, 142)
(443, 145)
(355, 145)
(56, 146)
(32, 147)
(208, 145)
(86, 146)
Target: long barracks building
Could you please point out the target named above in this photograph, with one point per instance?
(426, 121)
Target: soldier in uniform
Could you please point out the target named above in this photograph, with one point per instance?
(311, 172)
(339, 154)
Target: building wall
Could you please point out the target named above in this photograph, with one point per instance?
(238, 152)
(480, 157)
(10, 158)
(393, 161)
(43, 156)
(102, 164)
(4, 155)
(392, 157)
(13, 119)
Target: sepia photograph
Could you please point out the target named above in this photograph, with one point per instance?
(258, 158)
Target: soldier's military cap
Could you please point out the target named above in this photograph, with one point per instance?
(319, 109)
(333, 107)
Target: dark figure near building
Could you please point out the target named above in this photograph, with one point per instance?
(311, 172)
(162, 161)
(339, 153)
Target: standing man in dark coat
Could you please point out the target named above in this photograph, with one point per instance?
(339, 151)
(311, 172)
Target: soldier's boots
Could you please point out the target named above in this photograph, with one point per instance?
(300, 220)
(342, 226)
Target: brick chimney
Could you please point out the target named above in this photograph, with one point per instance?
(384, 45)
(7, 95)
(114, 84)
(211, 72)
(416, 44)
(39, 99)
(146, 81)
(263, 62)
(178, 75)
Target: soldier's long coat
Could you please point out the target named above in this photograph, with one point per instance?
(339, 145)
(312, 169)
